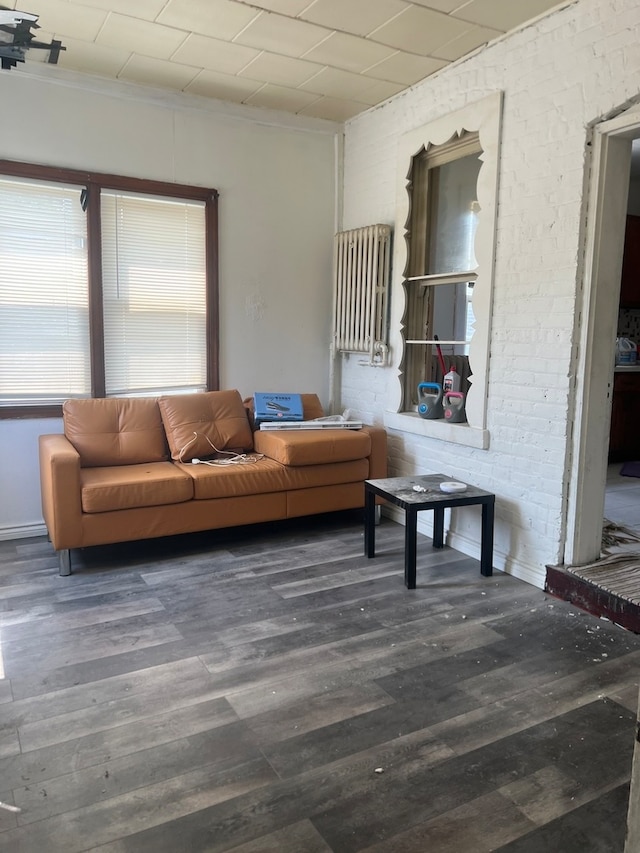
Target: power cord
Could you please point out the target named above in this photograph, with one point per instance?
(235, 458)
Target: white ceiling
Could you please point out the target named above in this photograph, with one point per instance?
(330, 59)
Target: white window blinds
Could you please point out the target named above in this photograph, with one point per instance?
(154, 293)
(44, 329)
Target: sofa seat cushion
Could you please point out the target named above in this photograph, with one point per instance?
(198, 425)
(115, 431)
(313, 447)
(267, 475)
(130, 486)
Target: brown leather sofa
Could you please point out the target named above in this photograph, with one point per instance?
(124, 468)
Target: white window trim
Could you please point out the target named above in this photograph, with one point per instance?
(482, 117)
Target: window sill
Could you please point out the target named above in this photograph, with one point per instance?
(438, 429)
(53, 410)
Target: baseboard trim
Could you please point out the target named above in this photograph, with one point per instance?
(23, 531)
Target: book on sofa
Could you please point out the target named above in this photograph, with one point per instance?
(277, 407)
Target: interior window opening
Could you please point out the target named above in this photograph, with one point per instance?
(441, 263)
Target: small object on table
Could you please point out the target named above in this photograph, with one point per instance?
(451, 487)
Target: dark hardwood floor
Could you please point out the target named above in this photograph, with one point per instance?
(270, 690)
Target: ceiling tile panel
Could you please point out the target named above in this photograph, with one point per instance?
(359, 17)
(282, 70)
(337, 84)
(333, 109)
(157, 72)
(148, 10)
(214, 55)
(140, 37)
(379, 91)
(281, 98)
(420, 30)
(69, 20)
(283, 7)
(465, 43)
(405, 68)
(349, 52)
(446, 6)
(92, 58)
(225, 87)
(221, 19)
(501, 15)
(278, 34)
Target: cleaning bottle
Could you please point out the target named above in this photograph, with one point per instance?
(451, 381)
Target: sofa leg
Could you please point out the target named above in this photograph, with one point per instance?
(64, 558)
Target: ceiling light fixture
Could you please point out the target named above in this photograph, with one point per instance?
(16, 38)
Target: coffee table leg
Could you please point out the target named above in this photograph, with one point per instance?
(410, 529)
(486, 552)
(438, 527)
(369, 523)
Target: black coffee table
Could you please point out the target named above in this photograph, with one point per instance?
(426, 495)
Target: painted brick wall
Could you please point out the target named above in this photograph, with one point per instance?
(559, 76)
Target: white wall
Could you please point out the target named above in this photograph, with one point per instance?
(559, 76)
(276, 179)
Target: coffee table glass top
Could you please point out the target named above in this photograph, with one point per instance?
(410, 489)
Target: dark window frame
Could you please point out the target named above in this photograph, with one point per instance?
(94, 182)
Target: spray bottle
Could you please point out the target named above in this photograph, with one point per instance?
(451, 381)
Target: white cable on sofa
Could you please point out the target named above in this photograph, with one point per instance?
(236, 458)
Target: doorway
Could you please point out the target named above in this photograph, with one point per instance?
(622, 495)
(597, 315)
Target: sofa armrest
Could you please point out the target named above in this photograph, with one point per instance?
(60, 490)
(378, 457)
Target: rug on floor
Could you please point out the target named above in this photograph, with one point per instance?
(617, 536)
(618, 574)
(618, 568)
(630, 469)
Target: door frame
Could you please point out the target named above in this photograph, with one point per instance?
(596, 320)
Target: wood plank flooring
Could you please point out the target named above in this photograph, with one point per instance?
(270, 690)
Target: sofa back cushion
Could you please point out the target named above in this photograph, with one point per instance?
(198, 425)
(115, 431)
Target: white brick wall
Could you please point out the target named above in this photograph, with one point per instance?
(559, 76)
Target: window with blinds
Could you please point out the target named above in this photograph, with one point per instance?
(108, 287)
(154, 294)
(44, 311)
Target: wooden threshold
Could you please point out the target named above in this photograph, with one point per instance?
(592, 598)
